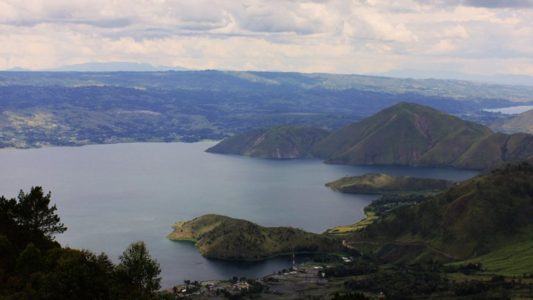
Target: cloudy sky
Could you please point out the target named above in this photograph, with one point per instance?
(339, 36)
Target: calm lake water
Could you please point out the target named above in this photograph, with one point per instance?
(112, 195)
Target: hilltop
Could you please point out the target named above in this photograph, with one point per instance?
(405, 134)
(487, 216)
(417, 135)
(280, 142)
(520, 123)
(382, 183)
(223, 237)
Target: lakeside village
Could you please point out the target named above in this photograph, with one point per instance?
(299, 277)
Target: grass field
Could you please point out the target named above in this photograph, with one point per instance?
(515, 259)
(369, 219)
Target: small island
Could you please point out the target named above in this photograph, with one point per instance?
(226, 238)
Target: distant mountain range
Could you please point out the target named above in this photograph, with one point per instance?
(114, 67)
(511, 79)
(79, 108)
(404, 134)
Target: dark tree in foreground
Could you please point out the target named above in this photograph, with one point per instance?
(34, 213)
(139, 272)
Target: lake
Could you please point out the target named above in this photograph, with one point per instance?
(511, 110)
(111, 195)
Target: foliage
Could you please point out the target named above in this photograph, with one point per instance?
(34, 213)
(425, 280)
(138, 273)
(471, 219)
(32, 266)
(356, 267)
(30, 218)
(227, 238)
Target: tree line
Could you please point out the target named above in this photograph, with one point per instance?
(34, 266)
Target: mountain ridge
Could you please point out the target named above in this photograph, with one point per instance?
(404, 134)
(279, 142)
(468, 220)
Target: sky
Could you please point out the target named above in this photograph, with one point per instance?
(335, 36)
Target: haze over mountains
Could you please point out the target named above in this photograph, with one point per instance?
(78, 108)
(129, 66)
(113, 67)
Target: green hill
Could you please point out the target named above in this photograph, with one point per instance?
(488, 216)
(223, 237)
(381, 183)
(281, 142)
(403, 134)
(520, 123)
(416, 135)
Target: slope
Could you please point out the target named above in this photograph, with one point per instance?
(477, 217)
(416, 135)
(280, 142)
(223, 237)
(520, 123)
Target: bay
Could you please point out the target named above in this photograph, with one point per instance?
(111, 195)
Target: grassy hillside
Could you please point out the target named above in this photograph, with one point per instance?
(396, 191)
(223, 237)
(382, 183)
(520, 123)
(411, 134)
(280, 142)
(513, 259)
(482, 215)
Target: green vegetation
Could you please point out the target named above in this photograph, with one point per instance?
(474, 218)
(396, 191)
(515, 258)
(222, 237)
(370, 218)
(382, 183)
(404, 134)
(411, 134)
(281, 142)
(34, 266)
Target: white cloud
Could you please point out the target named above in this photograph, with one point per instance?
(348, 36)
